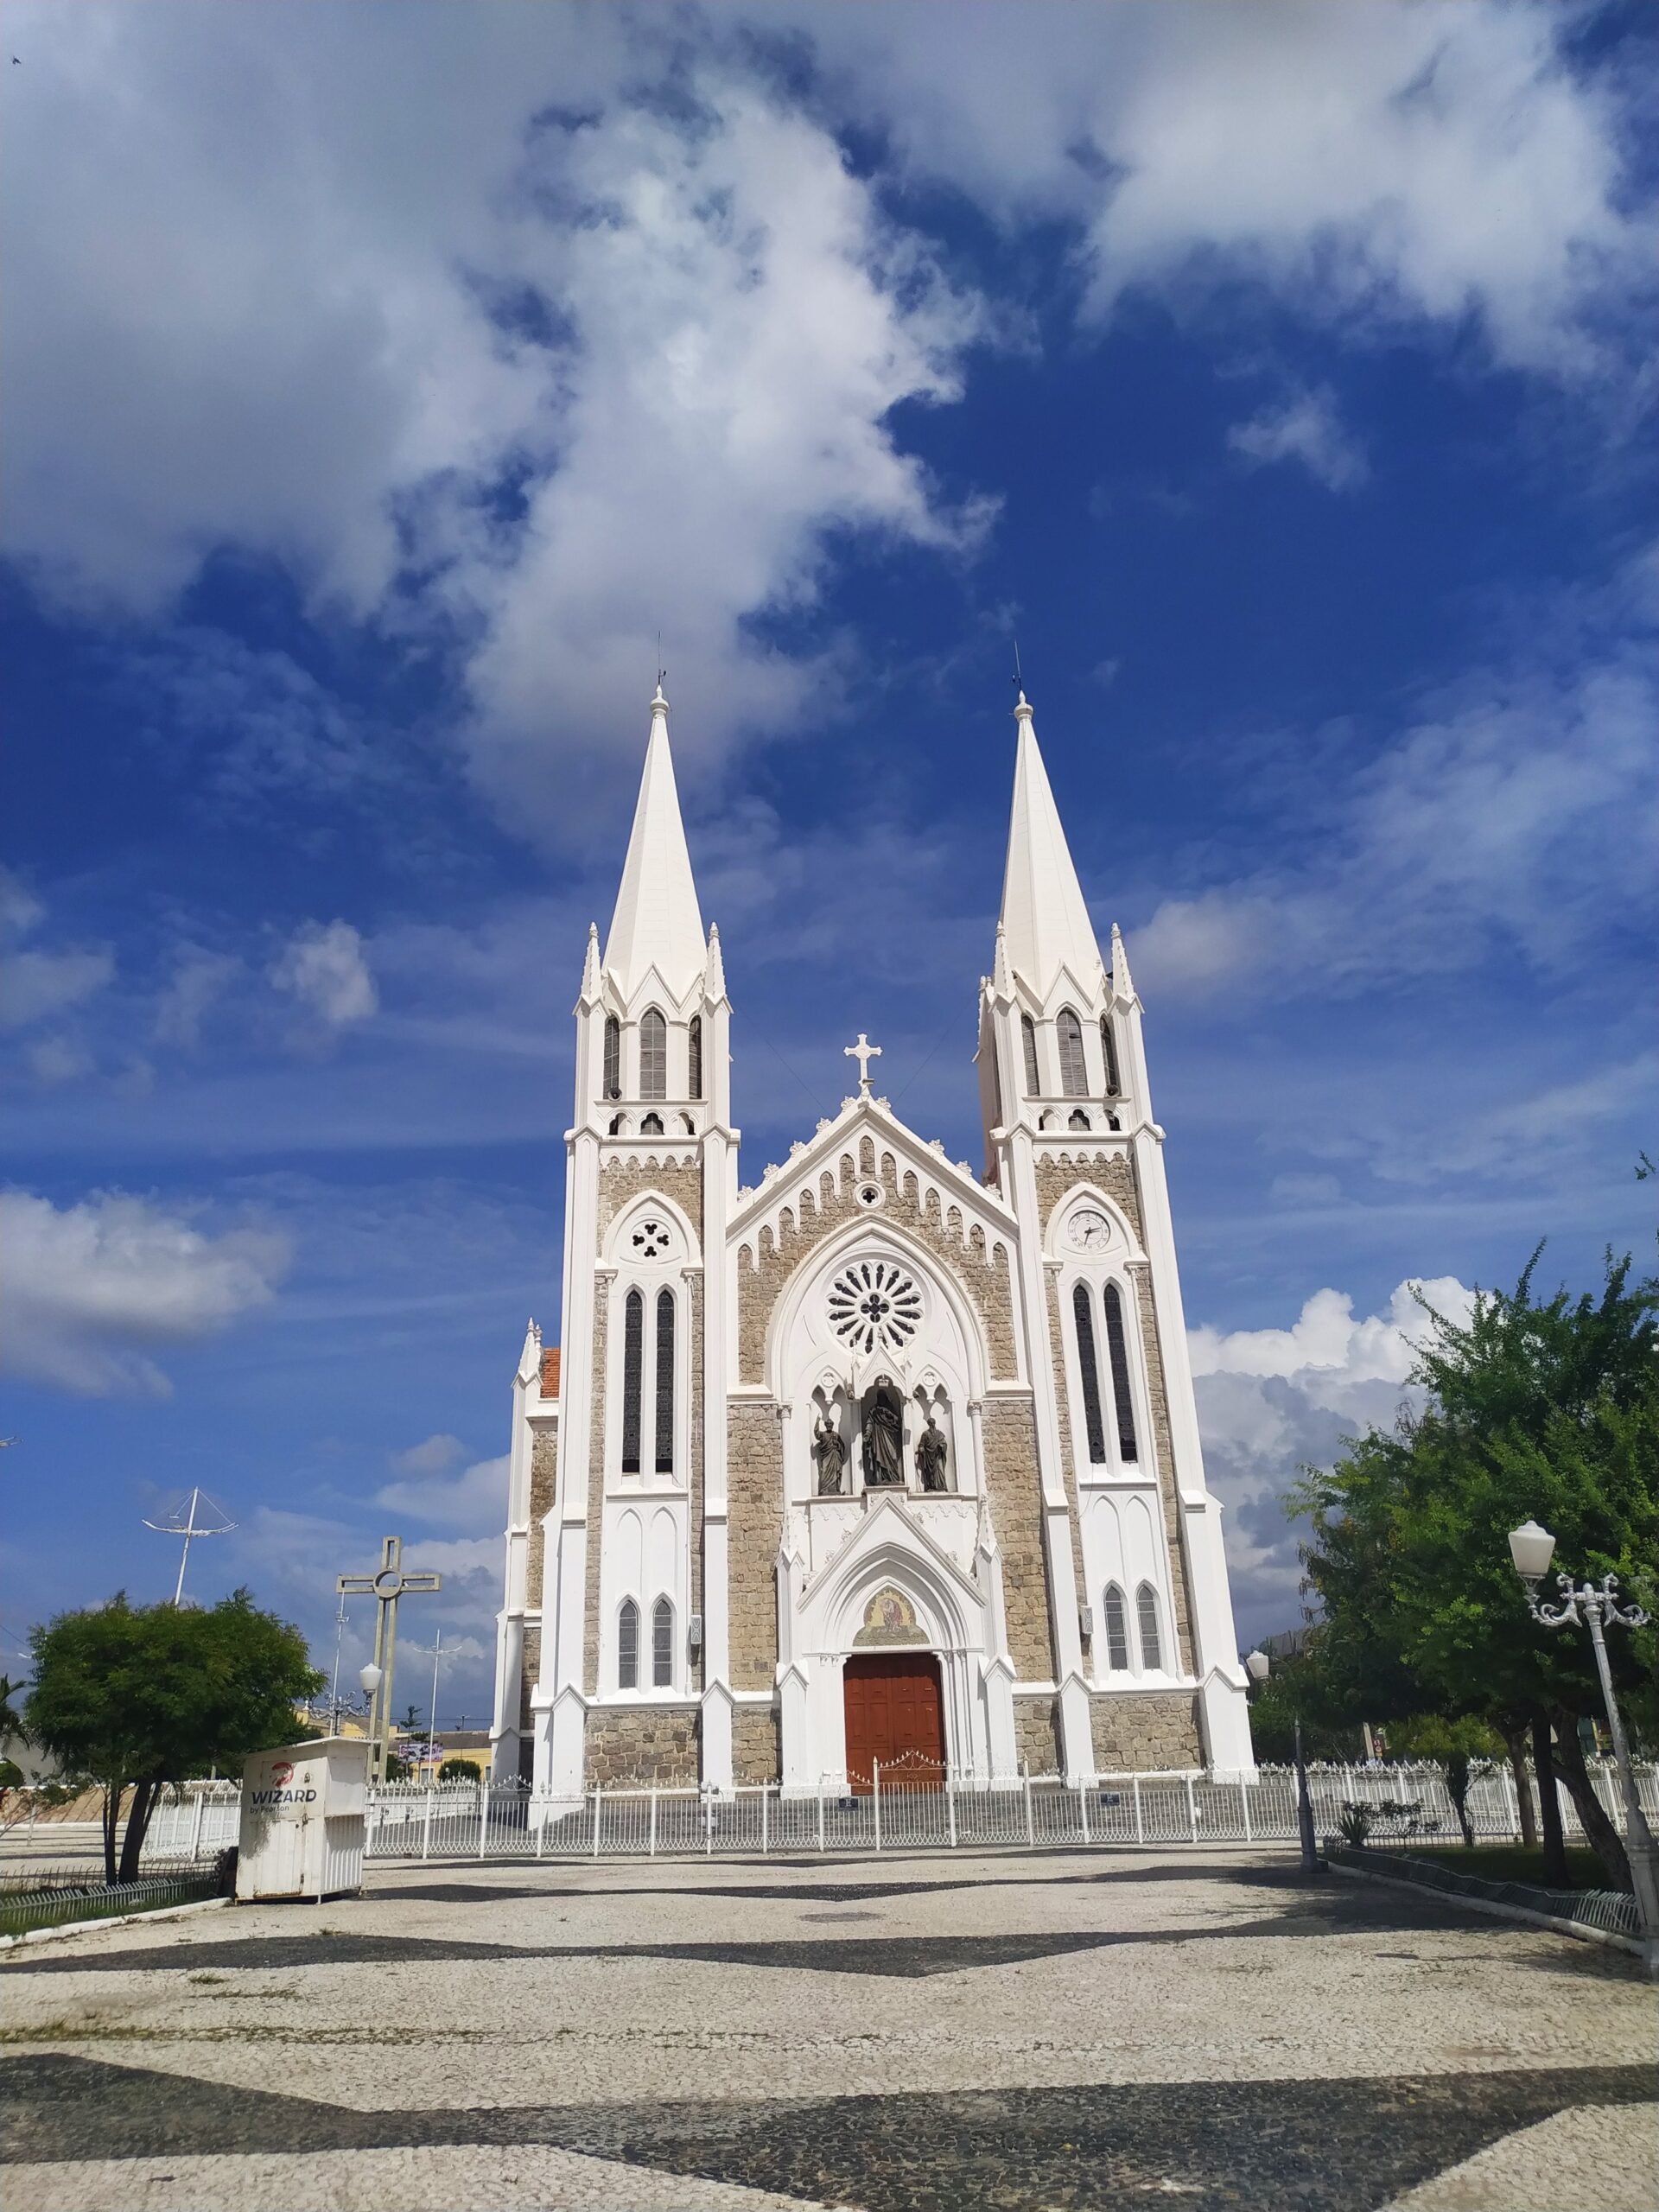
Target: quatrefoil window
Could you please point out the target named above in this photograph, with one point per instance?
(875, 1302)
(650, 1239)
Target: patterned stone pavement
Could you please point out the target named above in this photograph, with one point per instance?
(987, 2035)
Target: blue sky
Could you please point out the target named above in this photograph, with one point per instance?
(381, 380)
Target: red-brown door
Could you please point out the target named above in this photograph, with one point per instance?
(894, 1713)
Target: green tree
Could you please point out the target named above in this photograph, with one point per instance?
(1545, 1409)
(458, 1770)
(141, 1696)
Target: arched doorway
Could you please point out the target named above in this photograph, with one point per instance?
(895, 1714)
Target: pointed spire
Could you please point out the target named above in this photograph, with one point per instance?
(658, 922)
(1123, 982)
(1045, 922)
(714, 974)
(530, 1359)
(1001, 981)
(590, 965)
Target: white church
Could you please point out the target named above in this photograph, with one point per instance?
(877, 1459)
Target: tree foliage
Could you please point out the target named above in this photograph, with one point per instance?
(140, 1696)
(1544, 1410)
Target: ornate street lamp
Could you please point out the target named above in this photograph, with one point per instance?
(1258, 1667)
(371, 1677)
(1532, 1549)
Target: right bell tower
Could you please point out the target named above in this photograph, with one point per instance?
(1071, 1145)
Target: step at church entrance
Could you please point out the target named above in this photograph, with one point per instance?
(894, 1713)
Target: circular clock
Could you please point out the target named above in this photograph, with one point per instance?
(1089, 1231)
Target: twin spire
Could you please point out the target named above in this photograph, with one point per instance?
(658, 922)
(1044, 924)
(1043, 927)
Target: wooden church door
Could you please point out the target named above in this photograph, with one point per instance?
(894, 1713)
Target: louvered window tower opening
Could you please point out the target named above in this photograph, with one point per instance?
(1117, 1352)
(1028, 1039)
(613, 1057)
(653, 1055)
(633, 1361)
(694, 1058)
(1074, 1076)
(1109, 1056)
(1090, 1371)
(666, 1383)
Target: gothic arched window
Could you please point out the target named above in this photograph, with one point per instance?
(613, 1057)
(651, 1125)
(653, 1055)
(1028, 1037)
(633, 1362)
(627, 1646)
(1090, 1371)
(1117, 1630)
(1109, 1056)
(1074, 1076)
(694, 1058)
(1117, 1352)
(1077, 1119)
(662, 1645)
(665, 1381)
(1145, 1614)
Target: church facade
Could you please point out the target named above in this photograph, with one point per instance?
(879, 1460)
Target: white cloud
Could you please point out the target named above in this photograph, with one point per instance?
(409, 274)
(436, 1455)
(198, 980)
(37, 982)
(473, 1499)
(1304, 427)
(1509, 816)
(1370, 164)
(93, 1289)
(324, 967)
(1271, 1401)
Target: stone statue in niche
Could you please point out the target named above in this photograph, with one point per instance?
(931, 1454)
(884, 1430)
(830, 1453)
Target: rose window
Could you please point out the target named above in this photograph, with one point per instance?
(875, 1302)
(650, 1240)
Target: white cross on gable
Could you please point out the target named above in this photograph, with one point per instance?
(863, 1052)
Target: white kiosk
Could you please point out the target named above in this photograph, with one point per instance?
(304, 1821)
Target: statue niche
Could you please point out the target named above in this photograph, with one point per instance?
(882, 1425)
(932, 1456)
(830, 1451)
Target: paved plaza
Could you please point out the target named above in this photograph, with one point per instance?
(928, 2034)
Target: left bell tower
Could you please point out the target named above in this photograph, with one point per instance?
(633, 1666)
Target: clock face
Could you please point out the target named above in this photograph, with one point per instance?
(1089, 1232)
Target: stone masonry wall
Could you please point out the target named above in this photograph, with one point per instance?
(1037, 1734)
(649, 1743)
(625, 1177)
(1015, 1491)
(1147, 1734)
(765, 1266)
(543, 1469)
(755, 1495)
(527, 1679)
(757, 1749)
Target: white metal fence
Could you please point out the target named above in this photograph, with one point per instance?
(467, 1821)
(461, 1820)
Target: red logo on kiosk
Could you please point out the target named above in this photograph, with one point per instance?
(281, 1774)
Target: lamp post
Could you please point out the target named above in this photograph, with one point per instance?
(371, 1677)
(1258, 1667)
(1532, 1549)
